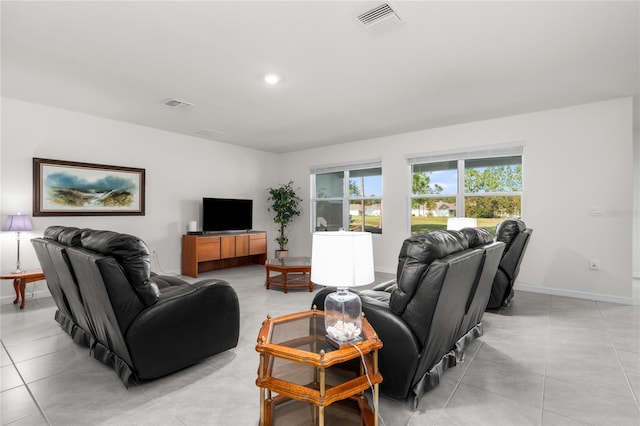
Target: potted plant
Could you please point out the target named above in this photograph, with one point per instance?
(284, 202)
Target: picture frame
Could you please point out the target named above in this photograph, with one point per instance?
(69, 188)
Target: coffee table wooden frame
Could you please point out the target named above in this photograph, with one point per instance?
(291, 276)
(317, 392)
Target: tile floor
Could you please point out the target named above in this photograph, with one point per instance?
(544, 361)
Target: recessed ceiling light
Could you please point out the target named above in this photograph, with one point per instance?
(272, 78)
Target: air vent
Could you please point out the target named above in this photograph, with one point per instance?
(208, 133)
(177, 104)
(380, 18)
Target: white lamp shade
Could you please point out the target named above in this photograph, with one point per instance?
(342, 259)
(457, 223)
(17, 222)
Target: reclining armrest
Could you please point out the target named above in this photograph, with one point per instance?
(399, 355)
(187, 324)
(166, 281)
(386, 286)
(391, 329)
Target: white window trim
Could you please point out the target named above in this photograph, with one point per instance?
(369, 164)
(501, 150)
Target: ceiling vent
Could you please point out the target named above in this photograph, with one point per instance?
(380, 18)
(177, 104)
(208, 133)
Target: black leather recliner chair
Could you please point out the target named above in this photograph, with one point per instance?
(142, 324)
(434, 305)
(515, 234)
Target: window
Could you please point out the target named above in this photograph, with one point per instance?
(433, 195)
(348, 198)
(485, 185)
(365, 202)
(493, 188)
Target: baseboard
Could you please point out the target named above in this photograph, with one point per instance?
(580, 294)
(634, 300)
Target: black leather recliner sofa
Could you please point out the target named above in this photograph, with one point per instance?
(424, 319)
(52, 255)
(515, 234)
(142, 324)
(479, 298)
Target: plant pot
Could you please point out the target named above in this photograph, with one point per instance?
(282, 253)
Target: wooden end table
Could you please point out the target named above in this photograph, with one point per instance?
(20, 280)
(297, 362)
(294, 272)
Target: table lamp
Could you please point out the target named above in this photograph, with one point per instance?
(17, 223)
(342, 259)
(457, 223)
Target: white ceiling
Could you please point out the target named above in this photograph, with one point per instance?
(449, 62)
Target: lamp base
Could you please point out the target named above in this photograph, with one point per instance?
(339, 344)
(343, 317)
(17, 271)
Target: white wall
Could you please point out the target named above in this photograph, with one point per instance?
(180, 170)
(636, 214)
(574, 159)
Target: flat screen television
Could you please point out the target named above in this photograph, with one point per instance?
(226, 214)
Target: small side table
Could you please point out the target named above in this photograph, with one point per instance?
(296, 361)
(294, 272)
(20, 280)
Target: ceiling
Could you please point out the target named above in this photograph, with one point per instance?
(448, 62)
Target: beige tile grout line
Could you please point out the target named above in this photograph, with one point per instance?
(33, 397)
(626, 376)
(466, 367)
(546, 359)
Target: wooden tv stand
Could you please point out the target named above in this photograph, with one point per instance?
(201, 253)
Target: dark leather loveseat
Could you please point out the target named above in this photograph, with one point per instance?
(425, 319)
(142, 324)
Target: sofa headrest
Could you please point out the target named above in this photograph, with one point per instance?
(416, 254)
(131, 253)
(425, 248)
(477, 236)
(52, 232)
(509, 229)
(70, 237)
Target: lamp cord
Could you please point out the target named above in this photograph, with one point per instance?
(154, 254)
(366, 372)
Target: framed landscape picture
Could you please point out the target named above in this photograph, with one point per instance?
(67, 188)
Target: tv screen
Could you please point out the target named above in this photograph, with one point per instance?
(226, 214)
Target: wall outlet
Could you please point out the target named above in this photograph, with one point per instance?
(594, 264)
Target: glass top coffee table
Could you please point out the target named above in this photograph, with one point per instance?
(298, 363)
(294, 272)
